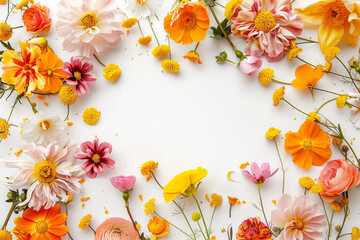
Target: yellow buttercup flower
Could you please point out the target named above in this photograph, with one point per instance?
(85, 221)
(5, 31)
(4, 128)
(67, 95)
(129, 23)
(161, 51)
(355, 233)
(112, 72)
(306, 182)
(184, 183)
(193, 57)
(317, 188)
(341, 101)
(216, 200)
(91, 116)
(149, 167)
(170, 65)
(272, 133)
(313, 116)
(150, 206)
(145, 40)
(5, 235)
(330, 53)
(336, 206)
(278, 95)
(265, 76)
(230, 8)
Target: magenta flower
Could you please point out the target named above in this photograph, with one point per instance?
(95, 156)
(79, 74)
(123, 183)
(257, 175)
(250, 64)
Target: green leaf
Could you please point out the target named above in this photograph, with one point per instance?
(218, 34)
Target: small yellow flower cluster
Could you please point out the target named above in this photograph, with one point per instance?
(216, 200)
(67, 95)
(5, 235)
(85, 221)
(112, 72)
(336, 206)
(278, 95)
(341, 101)
(330, 53)
(294, 51)
(317, 188)
(161, 51)
(150, 206)
(170, 65)
(129, 23)
(5, 32)
(230, 8)
(91, 116)
(355, 233)
(149, 167)
(145, 40)
(272, 133)
(306, 182)
(4, 128)
(337, 141)
(193, 57)
(266, 76)
(313, 117)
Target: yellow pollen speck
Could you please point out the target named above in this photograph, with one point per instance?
(84, 199)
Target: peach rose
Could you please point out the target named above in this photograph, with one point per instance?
(337, 177)
(36, 19)
(116, 229)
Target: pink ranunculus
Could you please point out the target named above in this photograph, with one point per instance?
(123, 183)
(116, 229)
(299, 218)
(337, 177)
(257, 175)
(250, 64)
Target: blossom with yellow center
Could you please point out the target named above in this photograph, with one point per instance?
(272, 133)
(4, 128)
(330, 53)
(91, 116)
(5, 31)
(193, 57)
(5, 235)
(313, 116)
(170, 65)
(89, 20)
(336, 206)
(265, 76)
(158, 227)
(231, 7)
(45, 171)
(216, 200)
(150, 206)
(306, 182)
(85, 221)
(145, 40)
(112, 72)
(278, 95)
(129, 23)
(149, 167)
(317, 188)
(341, 101)
(161, 51)
(355, 233)
(67, 95)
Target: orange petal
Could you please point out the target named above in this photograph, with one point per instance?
(59, 219)
(303, 159)
(58, 230)
(293, 142)
(26, 225)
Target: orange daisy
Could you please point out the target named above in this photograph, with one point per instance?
(23, 72)
(309, 146)
(50, 66)
(44, 224)
(188, 22)
(307, 76)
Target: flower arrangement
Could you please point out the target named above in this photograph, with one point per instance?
(49, 172)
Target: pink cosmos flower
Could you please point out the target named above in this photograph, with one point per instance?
(116, 229)
(123, 183)
(95, 157)
(300, 218)
(79, 74)
(257, 175)
(337, 177)
(268, 26)
(89, 26)
(250, 64)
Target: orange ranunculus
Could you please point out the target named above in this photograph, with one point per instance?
(338, 19)
(23, 72)
(36, 19)
(307, 76)
(44, 224)
(158, 227)
(50, 66)
(188, 22)
(309, 146)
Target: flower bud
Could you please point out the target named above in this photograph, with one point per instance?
(353, 63)
(357, 69)
(344, 148)
(126, 196)
(239, 54)
(195, 216)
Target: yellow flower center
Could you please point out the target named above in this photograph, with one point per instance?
(141, 2)
(96, 158)
(44, 125)
(49, 72)
(41, 227)
(307, 144)
(77, 75)
(299, 224)
(337, 14)
(188, 20)
(89, 20)
(264, 21)
(45, 171)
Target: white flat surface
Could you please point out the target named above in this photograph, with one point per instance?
(208, 115)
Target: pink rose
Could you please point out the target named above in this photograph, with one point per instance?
(116, 229)
(36, 19)
(123, 183)
(337, 177)
(250, 64)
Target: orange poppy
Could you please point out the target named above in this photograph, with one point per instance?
(44, 224)
(307, 76)
(188, 22)
(309, 146)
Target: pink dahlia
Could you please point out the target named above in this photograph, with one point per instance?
(89, 26)
(253, 228)
(95, 157)
(79, 75)
(268, 26)
(299, 218)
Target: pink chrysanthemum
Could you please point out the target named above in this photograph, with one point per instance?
(95, 156)
(79, 75)
(89, 26)
(268, 26)
(50, 174)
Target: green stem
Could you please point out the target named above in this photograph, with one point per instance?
(97, 59)
(282, 167)
(13, 106)
(17, 27)
(305, 39)
(68, 112)
(352, 80)
(153, 175)
(329, 230)
(343, 222)
(340, 75)
(131, 218)
(281, 82)
(346, 234)
(212, 217)
(174, 226)
(219, 4)
(262, 206)
(13, 205)
(152, 29)
(186, 219)
(202, 232)
(323, 204)
(322, 105)
(32, 106)
(294, 107)
(92, 229)
(230, 61)
(305, 61)
(196, 47)
(202, 216)
(352, 150)
(323, 90)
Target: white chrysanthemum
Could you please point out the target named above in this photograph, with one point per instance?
(41, 128)
(89, 26)
(142, 8)
(355, 109)
(49, 175)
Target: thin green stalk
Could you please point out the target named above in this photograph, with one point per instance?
(346, 234)
(305, 61)
(322, 105)
(152, 29)
(173, 225)
(16, 27)
(92, 229)
(202, 216)
(13, 205)
(153, 175)
(352, 80)
(323, 204)
(305, 39)
(219, 4)
(352, 150)
(68, 112)
(196, 47)
(323, 90)
(32, 106)
(212, 216)
(329, 230)
(230, 61)
(262, 205)
(186, 219)
(97, 59)
(13, 106)
(344, 220)
(281, 82)
(340, 75)
(131, 218)
(282, 167)
(294, 107)
(202, 232)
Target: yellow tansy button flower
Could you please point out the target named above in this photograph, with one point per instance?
(112, 72)
(91, 116)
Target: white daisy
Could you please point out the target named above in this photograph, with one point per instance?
(49, 175)
(355, 109)
(143, 8)
(41, 128)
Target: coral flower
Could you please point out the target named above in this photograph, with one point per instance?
(23, 72)
(158, 227)
(116, 228)
(79, 75)
(44, 224)
(257, 175)
(307, 76)
(89, 26)
(184, 183)
(300, 218)
(36, 19)
(268, 26)
(188, 22)
(309, 146)
(337, 19)
(252, 229)
(96, 157)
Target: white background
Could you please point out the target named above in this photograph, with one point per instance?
(209, 115)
